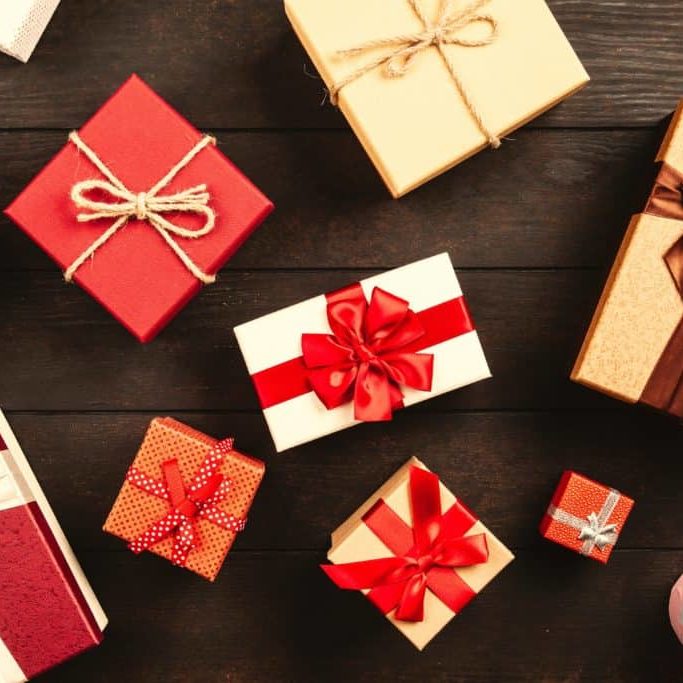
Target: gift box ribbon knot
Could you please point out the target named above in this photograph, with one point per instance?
(123, 205)
(188, 504)
(366, 358)
(594, 530)
(664, 388)
(371, 352)
(425, 556)
(445, 31)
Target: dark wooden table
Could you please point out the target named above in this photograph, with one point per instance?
(531, 229)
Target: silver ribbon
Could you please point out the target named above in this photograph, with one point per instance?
(593, 530)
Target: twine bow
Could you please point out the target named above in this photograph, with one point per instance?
(598, 533)
(149, 206)
(444, 31)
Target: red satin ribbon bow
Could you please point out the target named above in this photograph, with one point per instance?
(426, 555)
(368, 356)
(188, 505)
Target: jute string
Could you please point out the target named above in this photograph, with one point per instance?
(144, 206)
(438, 34)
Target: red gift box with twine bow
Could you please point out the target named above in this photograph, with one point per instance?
(140, 209)
(417, 553)
(585, 516)
(185, 497)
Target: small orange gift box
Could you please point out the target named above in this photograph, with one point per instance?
(185, 497)
(585, 516)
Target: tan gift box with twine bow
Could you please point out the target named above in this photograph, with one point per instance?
(425, 84)
(634, 347)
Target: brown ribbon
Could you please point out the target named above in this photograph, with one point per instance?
(664, 388)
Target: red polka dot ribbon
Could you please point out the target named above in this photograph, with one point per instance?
(188, 504)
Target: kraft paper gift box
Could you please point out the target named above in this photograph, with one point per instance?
(358, 354)
(586, 516)
(22, 23)
(185, 497)
(414, 528)
(48, 611)
(419, 107)
(140, 209)
(633, 350)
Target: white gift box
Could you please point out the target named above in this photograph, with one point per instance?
(273, 340)
(19, 488)
(22, 23)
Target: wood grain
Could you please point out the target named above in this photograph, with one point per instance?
(504, 466)
(549, 617)
(531, 324)
(532, 230)
(238, 64)
(545, 199)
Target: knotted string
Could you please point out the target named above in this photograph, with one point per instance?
(144, 206)
(439, 34)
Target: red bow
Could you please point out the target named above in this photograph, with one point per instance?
(368, 356)
(199, 501)
(425, 555)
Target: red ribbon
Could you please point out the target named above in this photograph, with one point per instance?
(188, 504)
(367, 359)
(425, 555)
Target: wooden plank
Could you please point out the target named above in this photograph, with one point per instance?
(547, 199)
(274, 617)
(531, 324)
(505, 466)
(239, 65)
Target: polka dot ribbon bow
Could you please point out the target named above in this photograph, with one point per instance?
(188, 505)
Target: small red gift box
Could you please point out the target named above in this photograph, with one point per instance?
(140, 209)
(585, 516)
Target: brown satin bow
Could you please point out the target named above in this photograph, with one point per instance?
(664, 389)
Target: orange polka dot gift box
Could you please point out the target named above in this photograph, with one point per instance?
(185, 497)
(585, 516)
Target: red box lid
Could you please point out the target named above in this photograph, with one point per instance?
(136, 275)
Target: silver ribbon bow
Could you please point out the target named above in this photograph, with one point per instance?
(593, 530)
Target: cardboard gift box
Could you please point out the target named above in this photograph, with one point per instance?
(140, 209)
(633, 350)
(425, 84)
(185, 497)
(585, 516)
(416, 552)
(48, 611)
(361, 352)
(22, 23)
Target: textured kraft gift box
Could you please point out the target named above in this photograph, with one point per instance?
(22, 23)
(171, 239)
(136, 510)
(419, 124)
(355, 541)
(286, 377)
(48, 611)
(633, 350)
